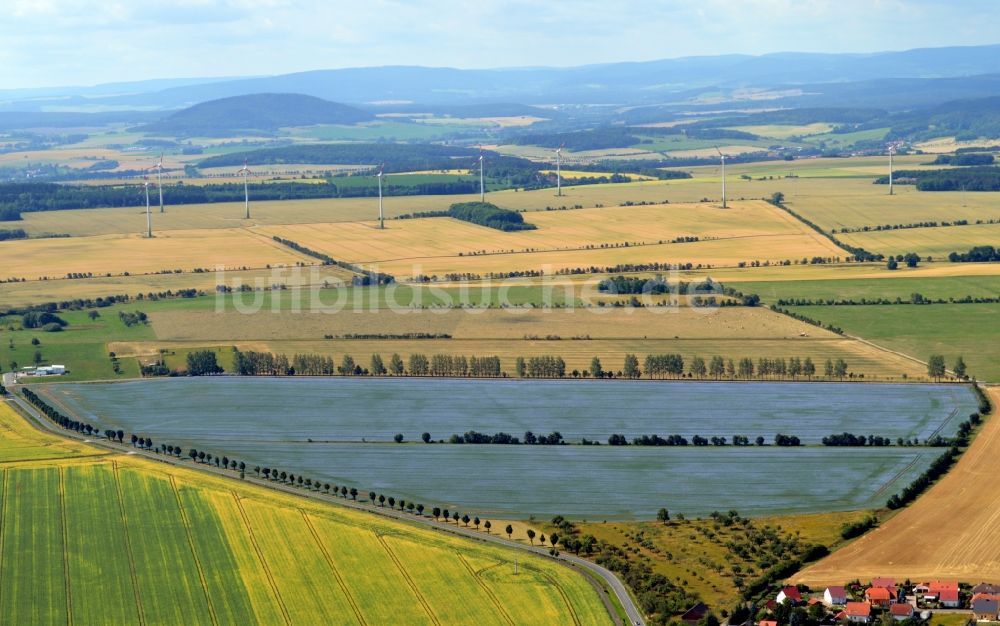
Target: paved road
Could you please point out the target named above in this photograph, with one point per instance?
(589, 568)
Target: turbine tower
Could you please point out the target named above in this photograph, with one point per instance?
(482, 185)
(159, 180)
(723, 158)
(381, 222)
(559, 170)
(892, 149)
(245, 173)
(149, 217)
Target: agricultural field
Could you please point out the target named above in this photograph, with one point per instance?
(928, 242)
(135, 254)
(365, 455)
(869, 288)
(966, 330)
(747, 231)
(950, 532)
(119, 539)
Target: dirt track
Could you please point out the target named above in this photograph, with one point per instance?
(953, 531)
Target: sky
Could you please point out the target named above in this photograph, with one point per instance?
(87, 42)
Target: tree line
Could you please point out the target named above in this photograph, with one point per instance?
(915, 298)
(364, 276)
(983, 178)
(977, 254)
(859, 254)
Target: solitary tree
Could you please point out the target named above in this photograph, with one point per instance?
(436, 512)
(445, 514)
(420, 509)
(381, 500)
(959, 367)
(455, 516)
(371, 496)
(531, 536)
(935, 366)
(509, 530)
(398, 438)
(392, 502)
(554, 539)
(487, 525)
(663, 515)
(354, 493)
(465, 519)
(425, 437)
(476, 522)
(595, 368)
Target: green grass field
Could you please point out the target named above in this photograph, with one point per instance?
(121, 540)
(967, 330)
(889, 288)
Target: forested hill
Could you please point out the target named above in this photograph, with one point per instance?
(396, 157)
(262, 112)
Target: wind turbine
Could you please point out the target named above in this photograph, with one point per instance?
(149, 217)
(381, 169)
(245, 173)
(159, 180)
(892, 150)
(723, 158)
(559, 170)
(482, 185)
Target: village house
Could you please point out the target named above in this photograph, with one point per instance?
(791, 594)
(880, 596)
(901, 612)
(835, 595)
(986, 607)
(943, 591)
(987, 588)
(859, 612)
(884, 583)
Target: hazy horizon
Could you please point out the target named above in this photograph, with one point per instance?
(54, 43)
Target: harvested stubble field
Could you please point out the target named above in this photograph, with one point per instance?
(748, 231)
(953, 531)
(116, 254)
(38, 291)
(858, 203)
(120, 540)
(731, 332)
(935, 242)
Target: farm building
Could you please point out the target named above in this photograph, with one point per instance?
(880, 596)
(859, 612)
(791, 594)
(986, 608)
(835, 595)
(901, 612)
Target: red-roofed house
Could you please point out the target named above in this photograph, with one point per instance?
(880, 596)
(932, 590)
(885, 583)
(859, 612)
(791, 594)
(767, 622)
(835, 595)
(900, 612)
(949, 598)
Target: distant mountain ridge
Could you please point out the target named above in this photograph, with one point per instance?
(260, 112)
(646, 82)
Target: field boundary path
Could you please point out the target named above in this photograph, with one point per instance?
(595, 574)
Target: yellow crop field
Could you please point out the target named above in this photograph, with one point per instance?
(953, 531)
(117, 254)
(936, 242)
(120, 539)
(747, 231)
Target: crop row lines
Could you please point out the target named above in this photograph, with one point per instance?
(194, 552)
(128, 545)
(260, 557)
(333, 568)
(409, 581)
(487, 590)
